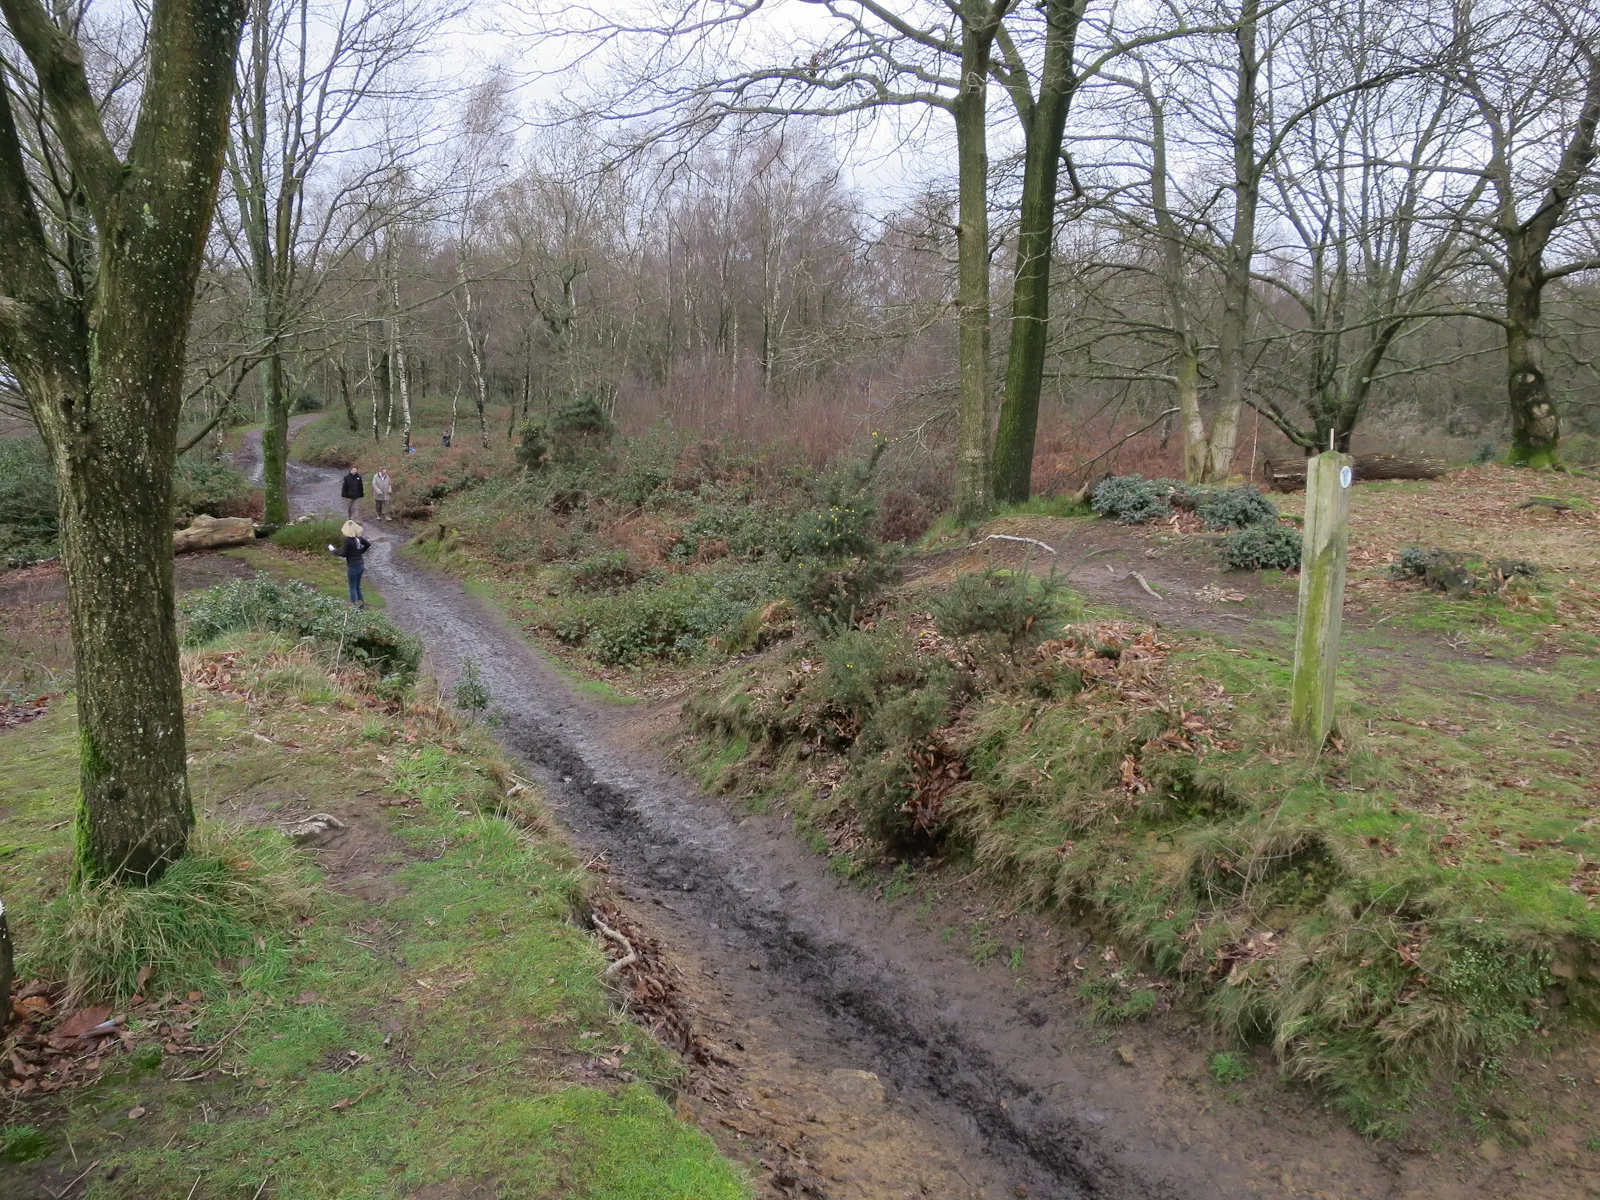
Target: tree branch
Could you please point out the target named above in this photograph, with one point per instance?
(58, 62)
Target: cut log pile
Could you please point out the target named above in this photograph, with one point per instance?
(213, 533)
(1289, 474)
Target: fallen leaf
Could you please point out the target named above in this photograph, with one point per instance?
(82, 1021)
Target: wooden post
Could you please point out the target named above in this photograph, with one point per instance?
(1322, 561)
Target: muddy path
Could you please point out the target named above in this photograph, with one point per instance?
(877, 1057)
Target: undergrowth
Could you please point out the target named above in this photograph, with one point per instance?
(265, 604)
(1314, 904)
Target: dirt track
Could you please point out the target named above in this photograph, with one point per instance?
(990, 1086)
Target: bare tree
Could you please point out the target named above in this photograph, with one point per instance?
(1533, 74)
(95, 300)
(310, 70)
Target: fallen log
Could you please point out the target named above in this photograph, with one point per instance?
(1289, 474)
(213, 533)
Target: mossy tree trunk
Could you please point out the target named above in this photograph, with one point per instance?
(1238, 255)
(1044, 123)
(1535, 419)
(980, 21)
(99, 356)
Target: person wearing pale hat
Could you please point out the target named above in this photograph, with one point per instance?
(354, 547)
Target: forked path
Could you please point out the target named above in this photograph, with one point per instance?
(876, 1059)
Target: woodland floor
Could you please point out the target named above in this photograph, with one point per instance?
(819, 1092)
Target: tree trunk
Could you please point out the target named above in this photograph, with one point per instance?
(372, 382)
(1030, 294)
(102, 370)
(349, 399)
(1535, 423)
(275, 442)
(972, 498)
(1232, 342)
(135, 814)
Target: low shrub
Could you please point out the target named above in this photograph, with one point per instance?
(1459, 573)
(1135, 500)
(1235, 508)
(471, 694)
(1262, 547)
(1132, 499)
(733, 521)
(674, 619)
(840, 531)
(265, 605)
(313, 536)
(604, 573)
(1014, 606)
(578, 429)
(532, 445)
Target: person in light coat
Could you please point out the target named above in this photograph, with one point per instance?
(382, 490)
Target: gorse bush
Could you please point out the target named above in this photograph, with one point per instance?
(471, 694)
(674, 619)
(1262, 547)
(263, 604)
(577, 429)
(840, 531)
(1011, 605)
(533, 445)
(829, 594)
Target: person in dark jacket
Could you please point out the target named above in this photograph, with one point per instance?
(354, 547)
(352, 489)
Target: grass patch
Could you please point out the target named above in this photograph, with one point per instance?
(310, 537)
(233, 886)
(1380, 916)
(264, 604)
(454, 1031)
(1227, 1067)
